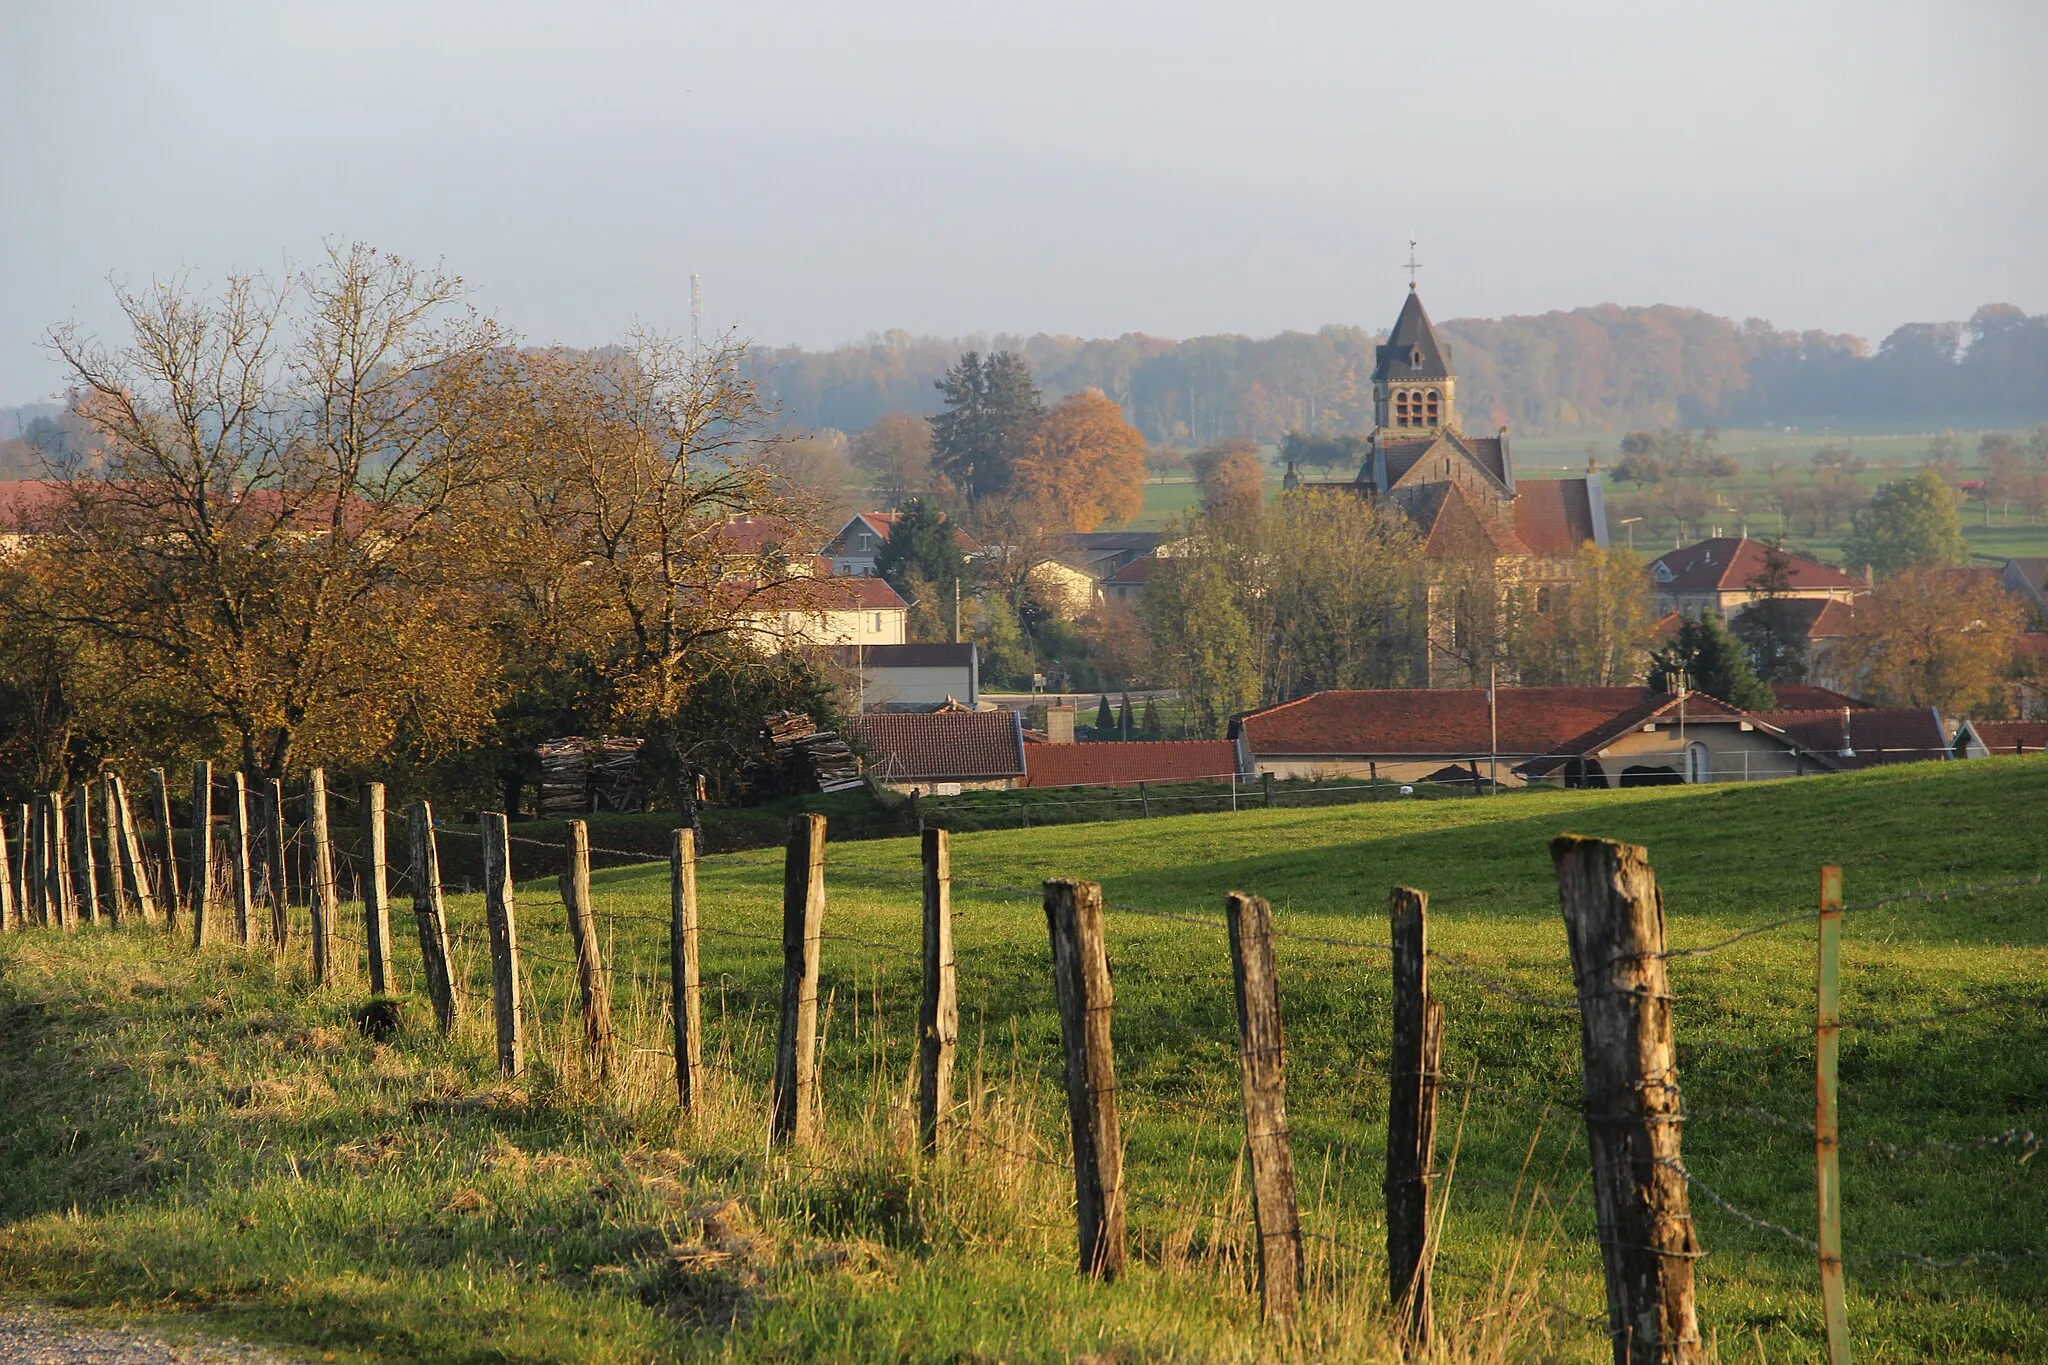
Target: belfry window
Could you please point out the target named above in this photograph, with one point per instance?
(1429, 403)
(1401, 412)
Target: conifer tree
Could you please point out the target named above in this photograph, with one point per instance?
(1152, 728)
(1125, 726)
(1707, 658)
(1105, 720)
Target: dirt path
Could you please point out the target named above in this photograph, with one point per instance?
(38, 1336)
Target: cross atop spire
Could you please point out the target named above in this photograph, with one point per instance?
(1413, 265)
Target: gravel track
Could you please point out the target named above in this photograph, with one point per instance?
(37, 1336)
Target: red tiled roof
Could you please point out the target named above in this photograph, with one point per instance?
(755, 535)
(23, 501)
(1878, 735)
(2013, 736)
(1697, 708)
(1729, 563)
(1553, 516)
(1136, 572)
(849, 593)
(1807, 697)
(1120, 763)
(941, 746)
(1412, 721)
(1818, 618)
(1456, 527)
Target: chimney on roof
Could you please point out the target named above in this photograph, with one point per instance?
(1869, 578)
(1848, 749)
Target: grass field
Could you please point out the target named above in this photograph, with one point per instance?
(207, 1134)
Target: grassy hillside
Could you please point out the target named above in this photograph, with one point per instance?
(208, 1133)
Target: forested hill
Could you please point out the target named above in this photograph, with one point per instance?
(1594, 369)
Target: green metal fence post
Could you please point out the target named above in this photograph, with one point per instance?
(1826, 1144)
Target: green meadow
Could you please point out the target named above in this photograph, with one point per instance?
(206, 1137)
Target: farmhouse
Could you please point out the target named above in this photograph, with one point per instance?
(1719, 577)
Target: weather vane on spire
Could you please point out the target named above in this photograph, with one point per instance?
(1413, 264)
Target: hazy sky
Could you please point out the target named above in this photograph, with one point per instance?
(833, 170)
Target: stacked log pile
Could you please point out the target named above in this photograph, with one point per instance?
(580, 776)
(807, 758)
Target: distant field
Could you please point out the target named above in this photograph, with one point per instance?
(189, 1134)
(1745, 499)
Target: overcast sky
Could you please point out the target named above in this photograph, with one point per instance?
(1099, 168)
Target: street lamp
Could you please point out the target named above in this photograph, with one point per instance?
(1630, 522)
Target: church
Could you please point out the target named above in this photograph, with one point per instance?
(1485, 532)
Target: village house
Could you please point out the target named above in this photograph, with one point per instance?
(1718, 577)
(1573, 736)
(821, 610)
(941, 753)
(911, 677)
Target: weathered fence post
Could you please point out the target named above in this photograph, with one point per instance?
(1826, 1133)
(133, 865)
(938, 1014)
(273, 872)
(167, 850)
(60, 864)
(35, 907)
(376, 892)
(10, 885)
(431, 915)
(598, 1042)
(199, 852)
(84, 874)
(1262, 1052)
(685, 994)
(797, 1101)
(1411, 1117)
(1266, 779)
(21, 871)
(504, 942)
(1080, 970)
(240, 878)
(1144, 801)
(322, 900)
(112, 897)
(1614, 922)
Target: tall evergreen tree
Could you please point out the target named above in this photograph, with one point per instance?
(1105, 720)
(1152, 729)
(1767, 625)
(1709, 659)
(924, 542)
(1126, 726)
(992, 410)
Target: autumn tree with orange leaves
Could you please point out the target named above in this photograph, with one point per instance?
(1085, 464)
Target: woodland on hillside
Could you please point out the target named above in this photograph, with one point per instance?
(1605, 368)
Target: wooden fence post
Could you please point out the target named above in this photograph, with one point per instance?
(1080, 971)
(199, 852)
(599, 1044)
(273, 871)
(321, 897)
(504, 942)
(134, 867)
(10, 886)
(376, 892)
(20, 873)
(166, 850)
(1827, 1151)
(1266, 779)
(61, 860)
(1144, 801)
(113, 897)
(1411, 1117)
(37, 854)
(685, 993)
(1614, 922)
(938, 1015)
(797, 1099)
(240, 878)
(431, 915)
(84, 873)
(1262, 1053)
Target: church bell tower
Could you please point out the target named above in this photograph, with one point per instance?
(1414, 393)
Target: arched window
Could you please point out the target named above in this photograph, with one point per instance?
(1543, 600)
(1430, 407)
(1401, 408)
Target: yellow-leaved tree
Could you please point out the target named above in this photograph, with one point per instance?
(1084, 463)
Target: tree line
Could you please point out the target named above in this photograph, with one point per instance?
(1605, 368)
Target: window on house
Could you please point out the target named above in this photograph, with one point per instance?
(1543, 599)
(878, 623)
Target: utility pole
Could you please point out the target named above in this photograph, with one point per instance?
(956, 611)
(1492, 724)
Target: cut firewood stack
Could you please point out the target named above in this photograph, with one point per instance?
(579, 776)
(811, 759)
